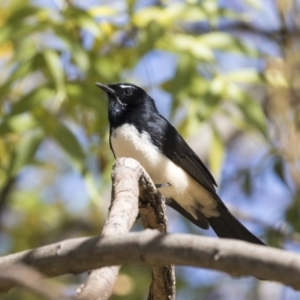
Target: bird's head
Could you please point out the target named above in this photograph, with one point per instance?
(125, 100)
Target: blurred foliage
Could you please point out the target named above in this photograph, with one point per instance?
(53, 121)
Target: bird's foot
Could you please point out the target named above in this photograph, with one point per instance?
(161, 185)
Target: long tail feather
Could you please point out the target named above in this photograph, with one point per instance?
(227, 226)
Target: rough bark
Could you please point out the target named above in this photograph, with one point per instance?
(121, 217)
(131, 182)
(152, 248)
(153, 214)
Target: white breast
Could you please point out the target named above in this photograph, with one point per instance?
(126, 141)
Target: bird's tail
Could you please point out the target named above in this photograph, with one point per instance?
(227, 226)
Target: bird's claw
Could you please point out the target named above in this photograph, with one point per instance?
(161, 185)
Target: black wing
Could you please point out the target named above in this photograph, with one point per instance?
(170, 142)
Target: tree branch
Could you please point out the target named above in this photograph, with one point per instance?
(27, 277)
(151, 248)
(131, 182)
(122, 215)
(153, 214)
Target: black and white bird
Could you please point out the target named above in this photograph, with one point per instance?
(139, 131)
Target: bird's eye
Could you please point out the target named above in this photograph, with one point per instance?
(127, 92)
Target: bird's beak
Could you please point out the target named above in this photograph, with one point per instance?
(105, 88)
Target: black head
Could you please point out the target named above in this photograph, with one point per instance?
(127, 101)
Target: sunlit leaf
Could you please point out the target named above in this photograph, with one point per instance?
(216, 154)
(245, 76)
(19, 123)
(254, 3)
(149, 15)
(83, 19)
(276, 78)
(187, 44)
(225, 42)
(102, 10)
(54, 64)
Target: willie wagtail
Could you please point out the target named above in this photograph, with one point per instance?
(139, 131)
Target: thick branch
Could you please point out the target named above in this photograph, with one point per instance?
(131, 182)
(155, 249)
(122, 215)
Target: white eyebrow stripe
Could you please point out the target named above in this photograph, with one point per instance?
(124, 86)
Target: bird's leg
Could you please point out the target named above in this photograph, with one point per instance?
(161, 185)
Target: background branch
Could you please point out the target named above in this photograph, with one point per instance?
(32, 280)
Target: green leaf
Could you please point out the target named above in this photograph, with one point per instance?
(15, 22)
(250, 76)
(102, 10)
(22, 12)
(149, 15)
(182, 43)
(25, 151)
(224, 42)
(189, 12)
(216, 154)
(279, 169)
(274, 239)
(62, 135)
(55, 67)
(32, 100)
(148, 37)
(185, 72)
(83, 18)
(5, 33)
(79, 55)
(253, 113)
(251, 109)
(19, 123)
(24, 68)
(218, 86)
(257, 4)
(293, 212)
(276, 78)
